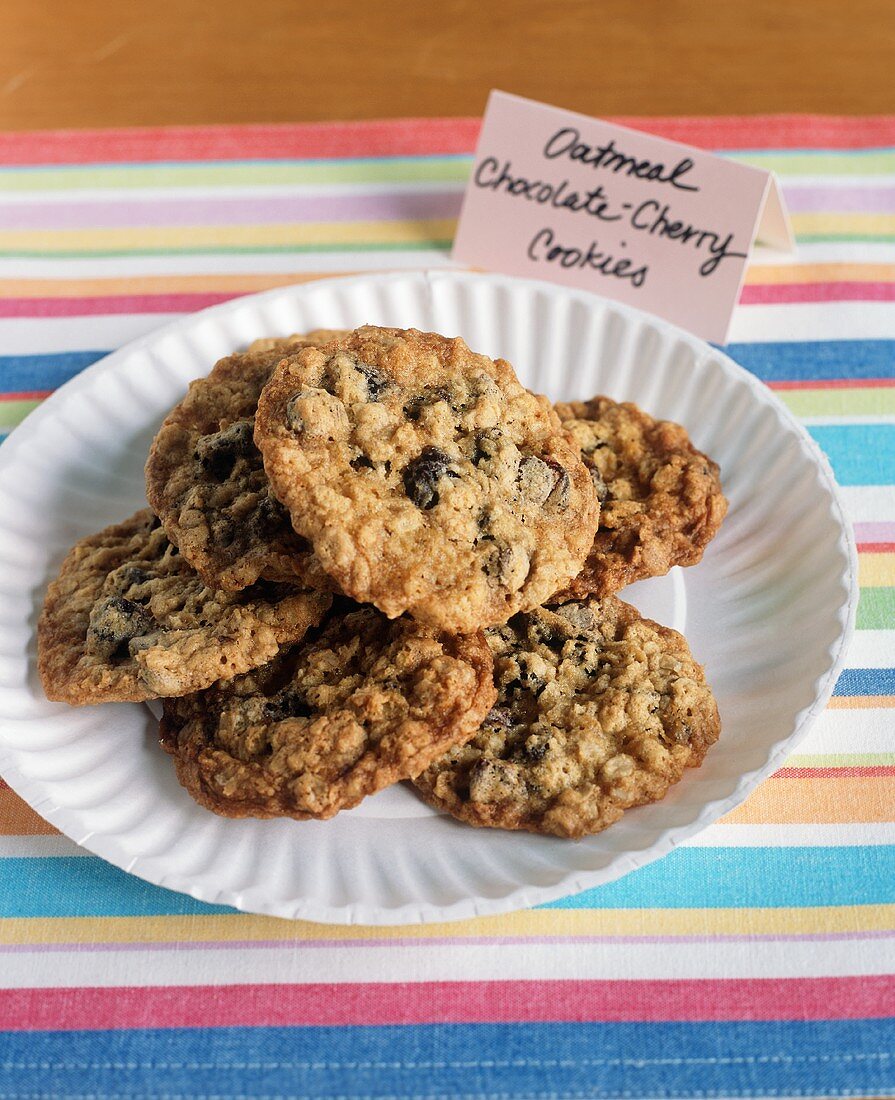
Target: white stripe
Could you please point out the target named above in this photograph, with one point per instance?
(850, 731)
(794, 835)
(110, 267)
(715, 836)
(439, 962)
(277, 262)
(872, 649)
(813, 321)
(869, 503)
(829, 252)
(24, 847)
(38, 336)
(869, 418)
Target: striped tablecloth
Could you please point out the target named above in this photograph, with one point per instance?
(757, 960)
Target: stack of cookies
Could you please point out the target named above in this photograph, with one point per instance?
(374, 556)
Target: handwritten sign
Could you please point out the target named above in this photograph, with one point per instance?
(560, 196)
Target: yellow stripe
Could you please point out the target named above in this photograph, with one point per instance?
(231, 236)
(843, 223)
(543, 922)
(820, 273)
(157, 284)
(876, 570)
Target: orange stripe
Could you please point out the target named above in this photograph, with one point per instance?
(861, 702)
(18, 819)
(156, 284)
(247, 284)
(818, 802)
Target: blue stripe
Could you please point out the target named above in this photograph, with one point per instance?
(799, 360)
(860, 454)
(73, 886)
(866, 681)
(742, 878)
(79, 886)
(574, 1060)
(787, 360)
(43, 372)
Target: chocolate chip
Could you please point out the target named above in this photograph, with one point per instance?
(558, 500)
(509, 565)
(218, 453)
(498, 716)
(599, 484)
(377, 380)
(493, 781)
(486, 446)
(287, 705)
(536, 478)
(128, 577)
(422, 475)
(361, 463)
(114, 623)
(429, 396)
(293, 417)
(268, 517)
(535, 748)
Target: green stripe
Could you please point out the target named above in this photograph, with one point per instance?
(453, 169)
(258, 249)
(843, 760)
(14, 412)
(846, 163)
(876, 610)
(826, 238)
(251, 250)
(389, 170)
(866, 401)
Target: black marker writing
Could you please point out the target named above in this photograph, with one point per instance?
(542, 248)
(494, 176)
(567, 142)
(653, 217)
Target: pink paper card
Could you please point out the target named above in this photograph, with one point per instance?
(560, 196)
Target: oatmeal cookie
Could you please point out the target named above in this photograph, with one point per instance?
(206, 482)
(332, 720)
(129, 619)
(598, 710)
(426, 477)
(661, 498)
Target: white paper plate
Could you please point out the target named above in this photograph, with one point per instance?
(769, 610)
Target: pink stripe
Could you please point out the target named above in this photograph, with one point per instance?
(305, 141)
(187, 303)
(109, 304)
(831, 384)
(270, 210)
(869, 772)
(875, 532)
(364, 1003)
(762, 294)
(412, 137)
(843, 200)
